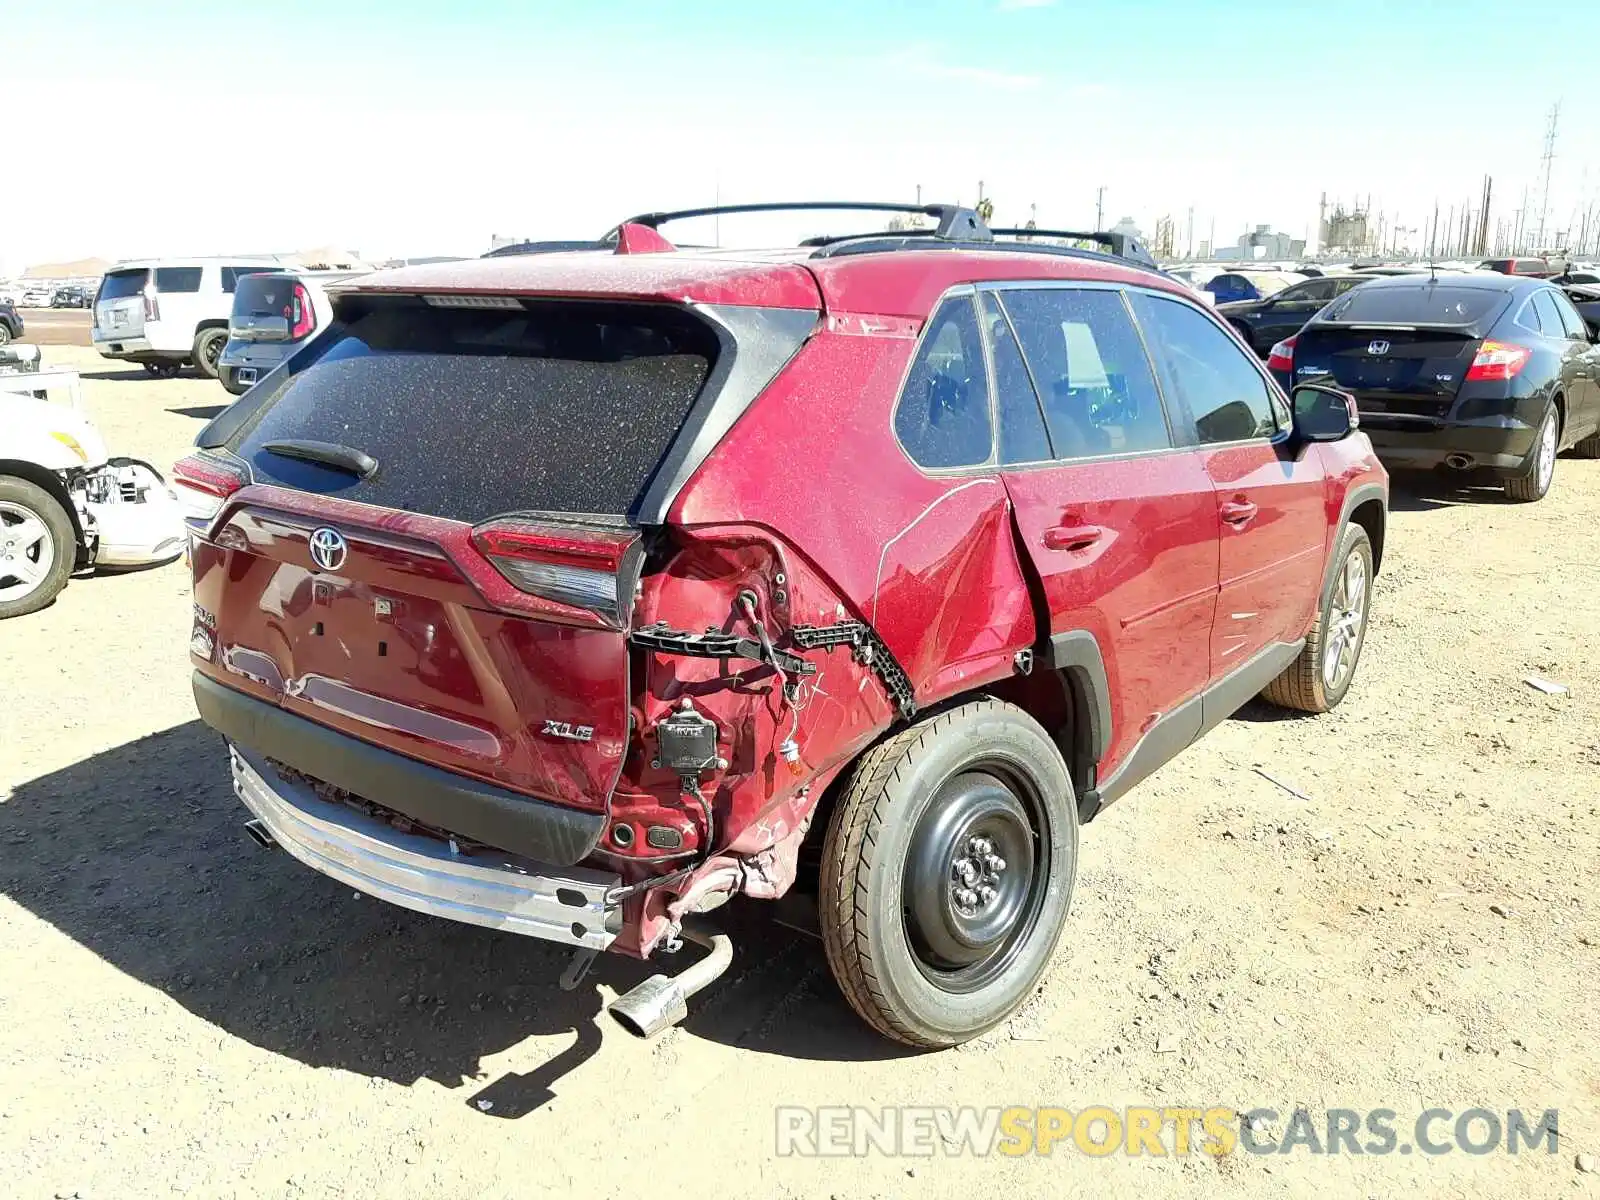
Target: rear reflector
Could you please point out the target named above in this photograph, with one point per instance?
(202, 482)
(1281, 357)
(589, 569)
(1498, 360)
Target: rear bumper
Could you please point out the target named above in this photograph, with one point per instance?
(520, 824)
(263, 356)
(499, 891)
(1501, 447)
(136, 349)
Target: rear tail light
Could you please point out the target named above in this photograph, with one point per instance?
(589, 569)
(1498, 360)
(152, 310)
(1281, 357)
(303, 318)
(202, 482)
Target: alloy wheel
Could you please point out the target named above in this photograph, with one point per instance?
(1347, 619)
(27, 551)
(1547, 452)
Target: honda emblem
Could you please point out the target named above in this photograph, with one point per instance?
(1378, 347)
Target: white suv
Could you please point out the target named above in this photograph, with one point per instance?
(167, 313)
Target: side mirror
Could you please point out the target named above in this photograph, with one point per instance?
(1323, 414)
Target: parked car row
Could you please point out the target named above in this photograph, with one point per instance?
(168, 314)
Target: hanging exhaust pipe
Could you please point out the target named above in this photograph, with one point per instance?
(661, 1001)
(259, 835)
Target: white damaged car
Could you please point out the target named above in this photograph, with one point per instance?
(65, 504)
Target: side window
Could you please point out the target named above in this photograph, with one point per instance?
(1317, 291)
(1571, 318)
(1094, 379)
(178, 279)
(232, 275)
(1022, 435)
(1528, 317)
(943, 416)
(1549, 315)
(1227, 398)
(1341, 285)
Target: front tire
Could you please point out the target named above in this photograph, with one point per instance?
(1541, 473)
(37, 547)
(1317, 680)
(5, 333)
(207, 350)
(947, 873)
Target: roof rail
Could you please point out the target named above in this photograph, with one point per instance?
(954, 220)
(957, 227)
(1119, 245)
(517, 248)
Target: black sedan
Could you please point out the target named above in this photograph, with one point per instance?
(1586, 299)
(1266, 322)
(1485, 376)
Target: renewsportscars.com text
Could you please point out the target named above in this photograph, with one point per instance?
(1169, 1130)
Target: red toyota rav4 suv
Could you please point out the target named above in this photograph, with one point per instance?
(571, 594)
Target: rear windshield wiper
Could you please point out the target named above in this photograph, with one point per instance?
(328, 454)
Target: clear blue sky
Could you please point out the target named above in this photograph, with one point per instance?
(416, 128)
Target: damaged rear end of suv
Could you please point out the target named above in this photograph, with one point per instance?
(575, 594)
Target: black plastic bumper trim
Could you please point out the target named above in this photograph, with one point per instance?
(481, 811)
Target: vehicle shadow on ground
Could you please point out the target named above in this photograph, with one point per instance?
(116, 374)
(1426, 493)
(203, 412)
(139, 854)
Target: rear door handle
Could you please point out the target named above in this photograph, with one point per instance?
(1072, 537)
(1238, 512)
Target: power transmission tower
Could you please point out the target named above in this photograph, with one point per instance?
(1549, 157)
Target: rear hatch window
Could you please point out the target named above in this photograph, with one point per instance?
(1423, 303)
(264, 307)
(120, 285)
(562, 407)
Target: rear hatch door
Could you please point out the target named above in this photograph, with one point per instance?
(453, 580)
(119, 304)
(1403, 348)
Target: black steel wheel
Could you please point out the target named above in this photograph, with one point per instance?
(947, 873)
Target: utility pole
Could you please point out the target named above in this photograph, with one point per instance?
(1483, 221)
(1549, 158)
(1433, 235)
(1188, 249)
(1100, 209)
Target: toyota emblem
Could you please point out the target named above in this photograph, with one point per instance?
(328, 548)
(1378, 347)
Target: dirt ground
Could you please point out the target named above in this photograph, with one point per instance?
(1418, 927)
(56, 326)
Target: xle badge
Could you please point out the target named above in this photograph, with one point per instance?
(568, 731)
